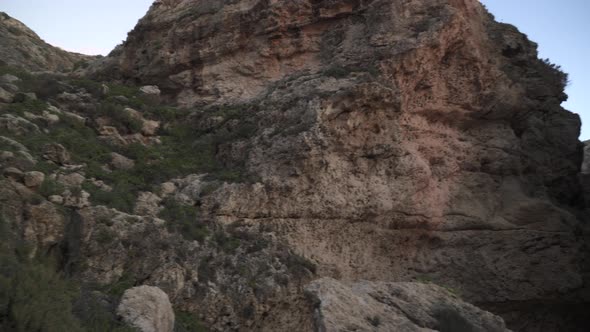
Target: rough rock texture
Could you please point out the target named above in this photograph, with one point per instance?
(34, 179)
(395, 140)
(56, 153)
(404, 306)
(147, 308)
(20, 46)
(380, 140)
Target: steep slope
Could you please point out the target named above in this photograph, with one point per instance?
(385, 144)
(20, 46)
(396, 140)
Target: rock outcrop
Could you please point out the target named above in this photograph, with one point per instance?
(21, 47)
(394, 140)
(404, 306)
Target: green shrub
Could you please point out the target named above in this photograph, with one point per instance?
(45, 167)
(35, 106)
(188, 322)
(374, 320)
(299, 265)
(122, 197)
(50, 187)
(92, 87)
(80, 64)
(119, 287)
(96, 315)
(45, 86)
(123, 90)
(227, 243)
(336, 71)
(16, 71)
(123, 121)
(33, 297)
(184, 219)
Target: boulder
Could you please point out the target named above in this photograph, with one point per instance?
(10, 88)
(151, 93)
(9, 79)
(79, 199)
(56, 153)
(395, 306)
(147, 309)
(151, 90)
(13, 173)
(5, 96)
(50, 118)
(6, 155)
(71, 180)
(150, 127)
(167, 188)
(119, 161)
(34, 179)
(56, 199)
(17, 125)
(147, 204)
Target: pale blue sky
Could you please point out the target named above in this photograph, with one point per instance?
(561, 28)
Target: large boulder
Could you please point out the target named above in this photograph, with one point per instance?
(56, 153)
(147, 308)
(395, 306)
(5, 96)
(119, 161)
(34, 179)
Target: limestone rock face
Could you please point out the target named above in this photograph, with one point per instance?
(394, 140)
(403, 306)
(147, 308)
(342, 140)
(20, 46)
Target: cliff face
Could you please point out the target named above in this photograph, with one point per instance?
(20, 46)
(396, 140)
(326, 155)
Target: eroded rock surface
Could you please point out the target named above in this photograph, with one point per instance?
(395, 140)
(380, 140)
(403, 306)
(20, 46)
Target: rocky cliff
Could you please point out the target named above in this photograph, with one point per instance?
(20, 46)
(373, 142)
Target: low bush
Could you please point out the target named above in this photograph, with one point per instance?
(184, 219)
(50, 187)
(188, 322)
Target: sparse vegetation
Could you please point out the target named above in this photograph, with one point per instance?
(188, 322)
(562, 76)
(299, 265)
(34, 297)
(50, 187)
(374, 320)
(227, 243)
(184, 219)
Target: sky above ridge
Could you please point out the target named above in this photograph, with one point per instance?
(96, 27)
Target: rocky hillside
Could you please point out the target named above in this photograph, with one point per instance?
(303, 165)
(20, 46)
